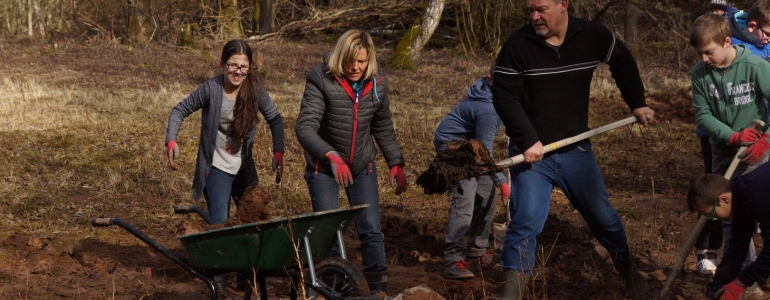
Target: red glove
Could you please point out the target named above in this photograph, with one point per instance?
(745, 137)
(505, 192)
(278, 165)
(398, 179)
(172, 151)
(341, 171)
(733, 290)
(756, 151)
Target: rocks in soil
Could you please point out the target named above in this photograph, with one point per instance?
(462, 159)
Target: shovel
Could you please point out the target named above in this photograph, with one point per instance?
(499, 229)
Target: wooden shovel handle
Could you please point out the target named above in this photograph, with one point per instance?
(512, 161)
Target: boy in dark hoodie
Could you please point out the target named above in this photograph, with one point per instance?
(473, 200)
(745, 200)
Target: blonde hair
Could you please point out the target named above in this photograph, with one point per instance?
(346, 49)
(709, 28)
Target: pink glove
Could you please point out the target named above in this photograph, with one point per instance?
(733, 290)
(505, 192)
(398, 179)
(756, 151)
(172, 151)
(278, 165)
(745, 137)
(341, 170)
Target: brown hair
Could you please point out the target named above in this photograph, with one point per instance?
(245, 110)
(760, 13)
(709, 28)
(705, 190)
(344, 53)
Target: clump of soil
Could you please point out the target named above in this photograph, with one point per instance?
(252, 208)
(253, 205)
(461, 160)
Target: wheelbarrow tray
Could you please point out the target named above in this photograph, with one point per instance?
(268, 245)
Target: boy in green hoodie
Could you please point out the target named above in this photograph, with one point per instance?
(728, 87)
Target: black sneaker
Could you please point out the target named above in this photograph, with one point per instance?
(219, 283)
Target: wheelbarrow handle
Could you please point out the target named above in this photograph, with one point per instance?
(183, 209)
(188, 209)
(101, 222)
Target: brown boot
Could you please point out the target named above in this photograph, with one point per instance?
(635, 285)
(515, 284)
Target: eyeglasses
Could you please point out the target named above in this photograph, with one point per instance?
(712, 216)
(767, 35)
(235, 67)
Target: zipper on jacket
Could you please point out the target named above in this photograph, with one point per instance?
(355, 127)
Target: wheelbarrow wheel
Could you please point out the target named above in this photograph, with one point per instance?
(341, 278)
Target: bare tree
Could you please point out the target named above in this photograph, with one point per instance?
(230, 19)
(630, 28)
(409, 48)
(139, 25)
(266, 16)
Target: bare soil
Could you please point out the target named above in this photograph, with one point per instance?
(646, 172)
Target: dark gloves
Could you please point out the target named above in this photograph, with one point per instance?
(745, 137)
(398, 179)
(505, 191)
(278, 165)
(341, 170)
(733, 290)
(756, 151)
(172, 151)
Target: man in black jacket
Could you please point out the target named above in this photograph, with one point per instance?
(541, 90)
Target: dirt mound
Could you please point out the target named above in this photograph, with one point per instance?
(253, 205)
(252, 208)
(462, 159)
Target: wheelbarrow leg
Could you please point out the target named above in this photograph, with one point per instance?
(262, 288)
(103, 222)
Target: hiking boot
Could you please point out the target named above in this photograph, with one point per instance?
(634, 284)
(457, 270)
(377, 281)
(707, 262)
(515, 284)
(484, 260)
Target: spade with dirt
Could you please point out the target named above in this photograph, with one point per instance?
(251, 208)
(467, 159)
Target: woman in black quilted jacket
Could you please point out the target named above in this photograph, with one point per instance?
(345, 104)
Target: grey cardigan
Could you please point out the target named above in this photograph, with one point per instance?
(208, 97)
(329, 119)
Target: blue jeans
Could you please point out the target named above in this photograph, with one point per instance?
(325, 195)
(577, 173)
(219, 186)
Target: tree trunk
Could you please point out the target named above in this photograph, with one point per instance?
(255, 18)
(230, 19)
(630, 30)
(139, 31)
(402, 57)
(265, 16)
(430, 21)
(30, 33)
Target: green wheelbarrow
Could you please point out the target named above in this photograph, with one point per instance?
(282, 247)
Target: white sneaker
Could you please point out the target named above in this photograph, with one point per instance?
(707, 262)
